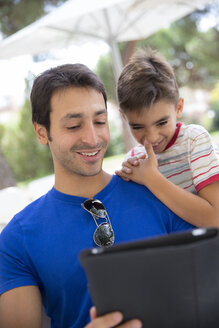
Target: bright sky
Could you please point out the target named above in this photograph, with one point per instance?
(14, 71)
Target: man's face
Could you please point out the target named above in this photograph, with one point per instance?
(79, 131)
(156, 125)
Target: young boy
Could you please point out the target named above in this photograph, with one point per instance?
(178, 163)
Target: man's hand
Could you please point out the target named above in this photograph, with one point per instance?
(110, 320)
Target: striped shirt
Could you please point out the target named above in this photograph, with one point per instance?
(191, 160)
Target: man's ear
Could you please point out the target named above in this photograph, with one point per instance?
(41, 133)
(179, 107)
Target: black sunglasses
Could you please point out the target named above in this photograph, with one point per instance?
(103, 235)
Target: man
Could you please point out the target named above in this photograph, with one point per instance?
(39, 248)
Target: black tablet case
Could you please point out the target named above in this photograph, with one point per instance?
(170, 281)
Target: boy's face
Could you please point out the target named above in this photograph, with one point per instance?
(156, 125)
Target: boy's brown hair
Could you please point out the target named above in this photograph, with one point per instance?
(145, 80)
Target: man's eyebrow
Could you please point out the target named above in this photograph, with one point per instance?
(71, 115)
(100, 112)
(80, 115)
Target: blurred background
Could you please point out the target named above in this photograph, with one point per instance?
(37, 35)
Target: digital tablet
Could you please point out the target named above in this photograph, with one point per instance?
(169, 281)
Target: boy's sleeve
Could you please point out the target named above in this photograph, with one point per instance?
(204, 160)
(135, 151)
(15, 270)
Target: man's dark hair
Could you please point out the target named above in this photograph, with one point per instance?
(145, 80)
(57, 78)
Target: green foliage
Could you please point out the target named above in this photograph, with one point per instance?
(27, 158)
(16, 14)
(105, 72)
(215, 123)
(2, 130)
(193, 54)
(214, 107)
(116, 145)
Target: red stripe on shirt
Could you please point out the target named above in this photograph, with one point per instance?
(207, 182)
(178, 173)
(198, 136)
(202, 156)
(213, 167)
(170, 162)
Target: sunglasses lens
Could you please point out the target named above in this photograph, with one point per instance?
(103, 235)
(95, 207)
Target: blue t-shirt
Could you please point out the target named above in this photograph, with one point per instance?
(41, 244)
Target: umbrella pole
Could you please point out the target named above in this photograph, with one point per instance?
(116, 58)
(128, 139)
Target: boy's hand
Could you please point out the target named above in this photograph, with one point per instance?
(142, 170)
(110, 320)
(127, 166)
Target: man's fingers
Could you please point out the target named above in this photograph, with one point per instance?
(106, 321)
(93, 313)
(131, 324)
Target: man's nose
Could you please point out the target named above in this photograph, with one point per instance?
(90, 135)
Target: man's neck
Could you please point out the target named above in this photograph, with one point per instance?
(82, 186)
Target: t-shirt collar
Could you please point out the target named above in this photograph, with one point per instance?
(172, 141)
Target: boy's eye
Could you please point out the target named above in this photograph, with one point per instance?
(136, 127)
(162, 123)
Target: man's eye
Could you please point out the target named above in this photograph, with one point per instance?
(100, 122)
(72, 127)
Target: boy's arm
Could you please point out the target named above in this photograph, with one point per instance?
(21, 308)
(200, 210)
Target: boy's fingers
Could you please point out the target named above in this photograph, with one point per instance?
(121, 175)
(126, 170)
(133, 161)
(142, 156)
(149, 149)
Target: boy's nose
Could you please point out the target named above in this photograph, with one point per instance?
(151, 138)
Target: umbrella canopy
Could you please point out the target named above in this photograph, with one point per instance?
(111, 21)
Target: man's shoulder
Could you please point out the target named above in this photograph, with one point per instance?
(29, 213)
(133, 191)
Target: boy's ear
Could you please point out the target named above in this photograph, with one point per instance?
(41, 133)
(179, 107)
(123, 115)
